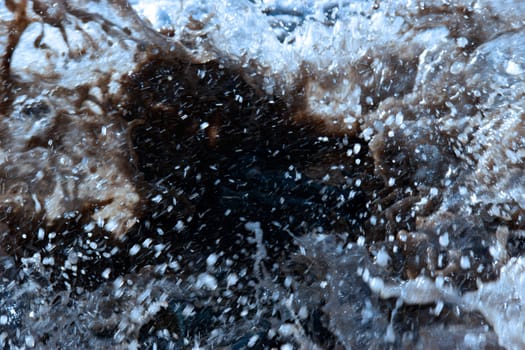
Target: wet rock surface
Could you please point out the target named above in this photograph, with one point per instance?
(349, 177)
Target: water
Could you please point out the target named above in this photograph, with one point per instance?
(286, 174)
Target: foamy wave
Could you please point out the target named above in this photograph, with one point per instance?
(416, 108)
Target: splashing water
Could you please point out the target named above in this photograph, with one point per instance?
(267, 173)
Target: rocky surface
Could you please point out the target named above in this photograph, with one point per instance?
(262, 174)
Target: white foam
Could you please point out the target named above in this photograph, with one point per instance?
(501, 302)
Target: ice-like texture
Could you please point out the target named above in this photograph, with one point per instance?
(266, 173)
(62, 152)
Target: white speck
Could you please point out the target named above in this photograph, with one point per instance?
(382, 258)
(105, 273)
(188, 311)
(513, 68)
(201, 73)
(211, 260)
(50, 261)
(399, 118)
(367, 134)
(349, 120)
(89, 227)
(147, 242)
(464, 262)
(104, 131)
(440, 261)
(157, 198)
(376, 284)
(286, 329)
(111, 225)
(361, 241)
(3, 320)
(134, 345)
(373, 220)
(134, 250)
(204, 125)
(207, 281)
(179, 226)
(136, 314)
(252, 340)
(158, 249)
(323, 284)
(288, 281)
(303, 313)
(41, 234)
(379, 126)
(457, 67)
(30, 341)
(93, 245)
(287, 347)
(357, 148)
(391, 182)
(440, 281)
(174, 265)
(434, 191)
(462, 41)
(231, 279)
(443, 239)
(39, 175)
(227, 212)
(438, 308)
(38, 206)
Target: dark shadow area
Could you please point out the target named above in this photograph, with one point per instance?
(215, 154)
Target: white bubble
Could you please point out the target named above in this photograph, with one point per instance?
(444, 240)
(30, 341)
(134, 250)
(286, 329)
(205, 280)
(464, 262)
(382, 258)
(211, 260)
(514, 68)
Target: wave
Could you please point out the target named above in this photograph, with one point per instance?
(319, 167)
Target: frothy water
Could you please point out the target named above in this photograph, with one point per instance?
(286, 174)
